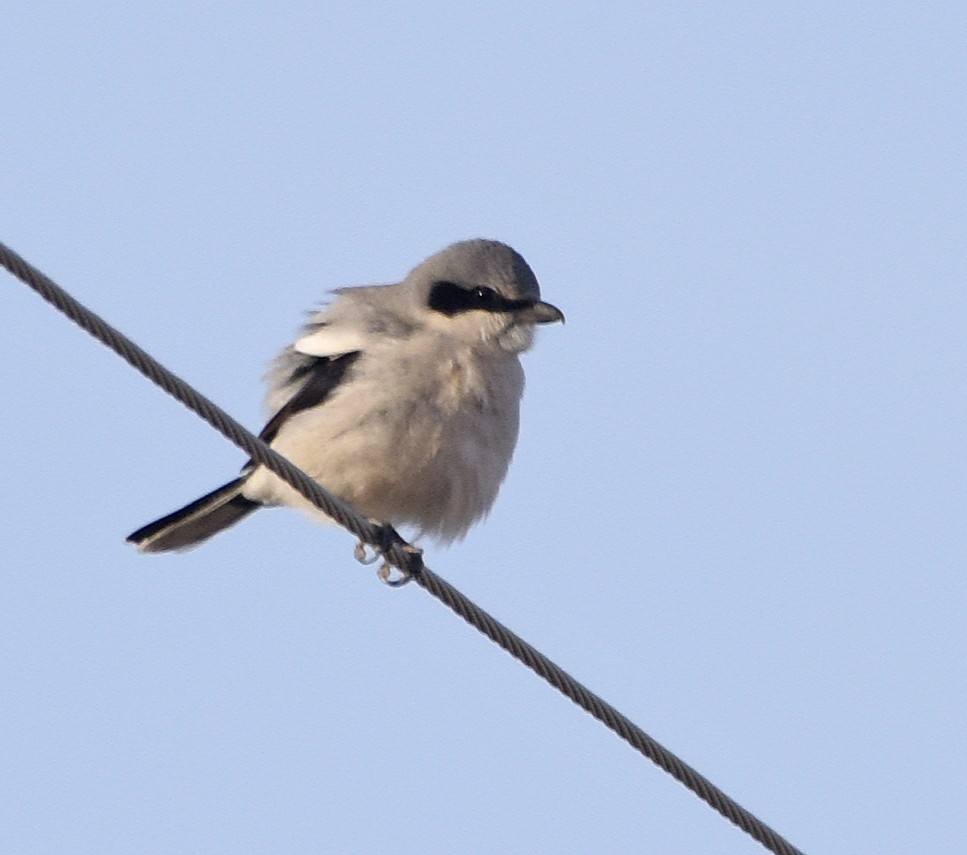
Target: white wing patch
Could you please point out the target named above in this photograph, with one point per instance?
(330, 341)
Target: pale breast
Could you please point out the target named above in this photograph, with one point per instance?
(420, 439)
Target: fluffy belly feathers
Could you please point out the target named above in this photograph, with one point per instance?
(426, 451)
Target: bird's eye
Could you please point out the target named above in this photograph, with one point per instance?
(485, 296)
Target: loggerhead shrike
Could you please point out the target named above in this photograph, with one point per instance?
(402, 399)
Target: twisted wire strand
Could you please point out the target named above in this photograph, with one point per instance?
(397, 552)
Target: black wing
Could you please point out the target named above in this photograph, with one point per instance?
(320, 375)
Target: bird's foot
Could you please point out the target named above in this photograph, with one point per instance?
(386, 538)
(397, 577)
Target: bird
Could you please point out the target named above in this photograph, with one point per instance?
(403, 400)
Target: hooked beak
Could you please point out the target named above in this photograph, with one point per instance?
(539, 313)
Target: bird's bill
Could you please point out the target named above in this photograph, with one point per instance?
(540, 313)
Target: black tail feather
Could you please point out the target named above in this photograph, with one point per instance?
(195, 522)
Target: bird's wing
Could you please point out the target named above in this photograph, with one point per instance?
(314, 379)
(305, 374)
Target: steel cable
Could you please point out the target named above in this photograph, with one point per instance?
(397, 552)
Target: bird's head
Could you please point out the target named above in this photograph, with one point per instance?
(481, 291)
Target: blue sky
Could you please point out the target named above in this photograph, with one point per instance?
(737, 505)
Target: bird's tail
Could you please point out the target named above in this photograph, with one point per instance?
(195, 522)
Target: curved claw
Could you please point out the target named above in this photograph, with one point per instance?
(393, 576)
(360, 554)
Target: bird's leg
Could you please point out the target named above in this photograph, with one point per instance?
(386, 537)
(390, 574)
